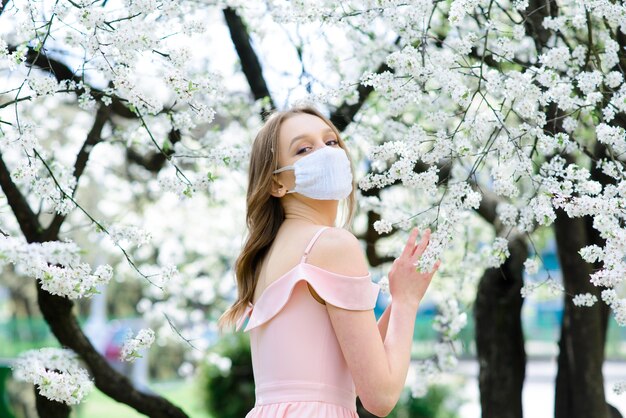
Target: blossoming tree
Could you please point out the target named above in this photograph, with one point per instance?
(487, 121)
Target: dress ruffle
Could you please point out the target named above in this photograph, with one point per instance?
(347, 292)
(307, 409)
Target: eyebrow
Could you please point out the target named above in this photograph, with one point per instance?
(306, 135)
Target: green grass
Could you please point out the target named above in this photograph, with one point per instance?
(183, 394)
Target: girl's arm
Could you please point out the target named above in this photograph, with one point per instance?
(378, 366)
(383, 321)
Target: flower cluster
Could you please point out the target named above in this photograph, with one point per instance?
(585, 299)
(531, 266)
(130, 233)
(450, 320)
(56, 372)
(383, 226)
(131, 347)
(424, 373)
(609, 296)
(554, 287)
(497, 253)
(56, 265)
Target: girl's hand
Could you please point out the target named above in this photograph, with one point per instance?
(406, 284)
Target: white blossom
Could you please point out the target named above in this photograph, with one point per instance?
(528, 288)
(591, 253)
(384, 284)
(588, 82)
(498, 252)
(611, 135)
(450, 320)
(555, 287)
(609, 296)
(613, 79)
(569, 124)
(131, 347)
(507, 213)
(446, 358)
(383, 226)
(619, 387)
(42, 85)
(586, 299)
(56, 372)
(531, 266)
(122, 234)
(460, 8)
(520, 4)
(56, 265)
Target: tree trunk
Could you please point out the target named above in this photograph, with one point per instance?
(47, 408)
(499, 336)
(579, 381)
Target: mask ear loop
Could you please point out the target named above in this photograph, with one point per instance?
(287, 167)
(280, 170)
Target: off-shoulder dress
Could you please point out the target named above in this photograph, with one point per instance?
(298, 366)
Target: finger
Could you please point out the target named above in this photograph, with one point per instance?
(410, 244)
(419, 249)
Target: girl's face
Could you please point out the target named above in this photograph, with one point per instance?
(299, 136)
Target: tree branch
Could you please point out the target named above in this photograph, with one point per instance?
(57, 312)
(3, 4)
(344, 114)
(533, 18)
(154, 160)
(93, 138)
(62, 72)
(26, 218)
(249, 60)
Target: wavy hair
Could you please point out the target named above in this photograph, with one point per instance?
(264, 213)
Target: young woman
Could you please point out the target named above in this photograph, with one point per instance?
(304, 285)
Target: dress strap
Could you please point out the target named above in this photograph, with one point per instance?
(247, 311)
(308, 247)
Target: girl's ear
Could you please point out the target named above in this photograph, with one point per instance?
(278, 189)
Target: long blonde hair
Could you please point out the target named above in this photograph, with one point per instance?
(264, 213)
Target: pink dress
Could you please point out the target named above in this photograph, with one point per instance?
(299, 369)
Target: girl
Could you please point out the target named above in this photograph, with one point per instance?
(304, 286)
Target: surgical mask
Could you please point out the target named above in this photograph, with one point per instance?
(323, 174)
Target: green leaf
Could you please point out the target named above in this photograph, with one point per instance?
(167, 145)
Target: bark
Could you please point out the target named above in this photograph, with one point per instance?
(50, 409)
(250, 64)
(595, 238)
(566, 388)
(499, 336)
(579, 381)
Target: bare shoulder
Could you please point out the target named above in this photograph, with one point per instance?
(339, 251)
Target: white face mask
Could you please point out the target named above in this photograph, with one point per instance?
(323, 174)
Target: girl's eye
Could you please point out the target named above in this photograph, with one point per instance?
(332, 140)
